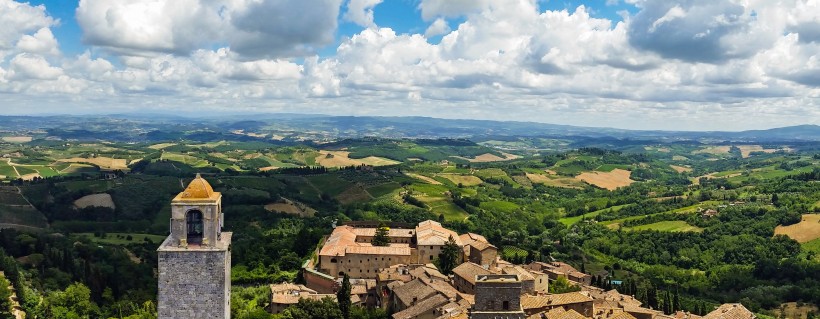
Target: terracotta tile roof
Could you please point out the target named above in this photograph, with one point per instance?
(481, 246)
(338, 241)
(522, 273)
(393, 232)
(475, 240)
(393, 285)
(613, 295)
(469, 271)
(432, 233)
(452, 310)
(730, 311)
(540, 301)
(288, 288)
(444, 288)
(287, 299)
(468, 298)
(622, 315)
(378, 250)
(429, 271)
(557, 313)
(606, 304)
(565, 268)
(461, 315)
(502, 263)
(421, 307)
(569, 314)
(358, 289)
(636, 309)
(414, 289)
(686, 315)
(474, 237)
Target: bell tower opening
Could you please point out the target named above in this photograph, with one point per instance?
(194, 262)
(194, 223)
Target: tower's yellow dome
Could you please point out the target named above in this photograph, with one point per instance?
(197, 189)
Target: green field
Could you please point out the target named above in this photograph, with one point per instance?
(812, 246)
(7, 170)
(185, 159)
(611, 167)
(572, 220)
(510, 252)
(500, 206)
(46, 171)
(329, 183)
(382, 189)
(682, 210)
(669, 226)
(444, 206)
(25, 170)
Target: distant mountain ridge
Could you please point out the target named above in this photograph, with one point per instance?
(331, 127)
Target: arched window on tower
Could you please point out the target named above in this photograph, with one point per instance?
(195, 228)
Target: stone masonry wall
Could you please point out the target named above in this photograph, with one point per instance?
(194, 284)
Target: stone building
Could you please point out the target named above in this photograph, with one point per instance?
(559, 269)
(497, 297)
(533, 282)
(194, 268)
(479, 251)
(349, 249)
(286, 294)
(579, 302)
(464, 276)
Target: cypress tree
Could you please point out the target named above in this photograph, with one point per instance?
(676, 302)
(343, 296)
(449, 257)
(381, 238)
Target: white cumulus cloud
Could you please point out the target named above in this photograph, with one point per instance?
(252, 28)
(41, 42)
(361, 12)
(18, 19)
(438, 27)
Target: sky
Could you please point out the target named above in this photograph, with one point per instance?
(636, 64)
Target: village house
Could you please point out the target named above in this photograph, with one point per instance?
(286, 294)
(559, 269)
(580, 302)
(349, 249)
(533, 282)
(730, 311)
(479, 251)
(464, 276)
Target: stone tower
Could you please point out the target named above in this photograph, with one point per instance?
(497, 297)
(195, 260)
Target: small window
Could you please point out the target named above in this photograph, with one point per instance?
(333, 260)
(506, 305)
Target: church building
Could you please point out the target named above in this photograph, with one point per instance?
(195, 260)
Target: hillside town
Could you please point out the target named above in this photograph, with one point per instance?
(401, 277)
